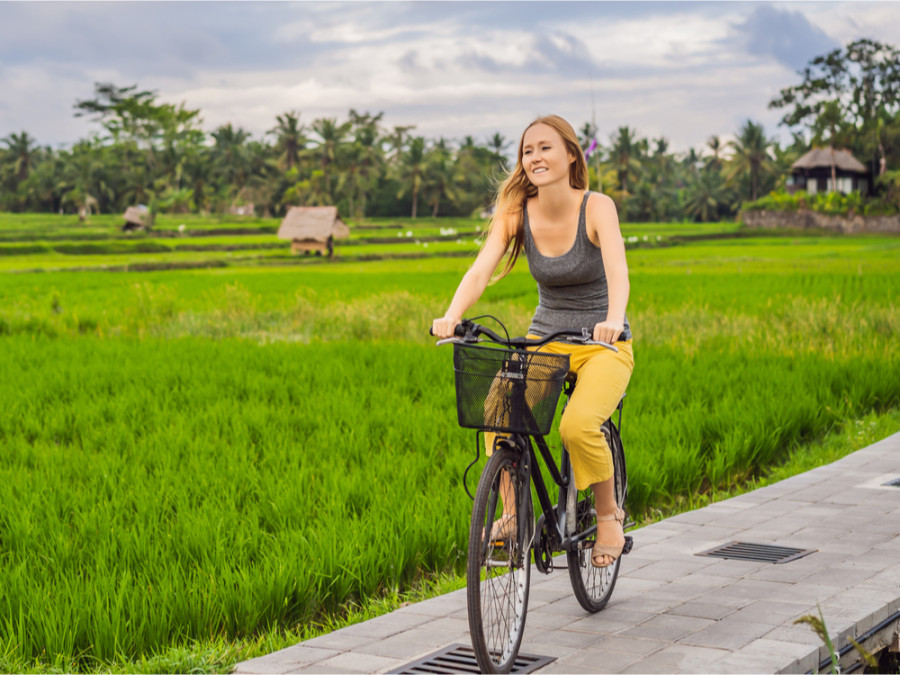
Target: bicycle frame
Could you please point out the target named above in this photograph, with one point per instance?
(561, 476)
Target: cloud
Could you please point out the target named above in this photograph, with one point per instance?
(786, 36)
(683, 70)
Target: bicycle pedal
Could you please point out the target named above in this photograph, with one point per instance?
(629, 544)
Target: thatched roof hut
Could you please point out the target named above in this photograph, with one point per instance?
(822, 158)
(813, 172)
(136, 218)
(313, 228)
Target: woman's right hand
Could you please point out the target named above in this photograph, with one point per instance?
(444, 327)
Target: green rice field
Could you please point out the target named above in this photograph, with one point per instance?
(204, 464)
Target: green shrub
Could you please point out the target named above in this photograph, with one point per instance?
(833, 203)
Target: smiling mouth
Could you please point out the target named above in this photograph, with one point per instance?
(540, 170)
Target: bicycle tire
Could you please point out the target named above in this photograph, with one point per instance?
(498, 573)
(593, 586)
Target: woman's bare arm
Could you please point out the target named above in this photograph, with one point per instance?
(603, 222)
(476, 279)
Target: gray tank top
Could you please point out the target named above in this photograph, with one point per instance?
(572, 287)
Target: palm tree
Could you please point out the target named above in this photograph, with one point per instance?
(329, 146)
(498, 144)
(474, 171)
(262, 176)
(706, 196)
(441, 177)
(84, 177)
(365, 159)
(290, 138)
(20, 152)
(411, 171)
(396, 143)
(714, 163)
(199, 169)
(656, 190)
(751, 156)
(231, 157)
(624, 155)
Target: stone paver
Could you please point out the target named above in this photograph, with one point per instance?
(673, 611)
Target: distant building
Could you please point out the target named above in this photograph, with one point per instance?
(136, 218)
(812, 173)
(313, 228)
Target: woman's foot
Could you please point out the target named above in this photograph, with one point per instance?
(610, 539)
(503, 527)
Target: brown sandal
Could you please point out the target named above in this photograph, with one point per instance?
(603, 549)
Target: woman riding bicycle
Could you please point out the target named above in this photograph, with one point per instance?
(576, 254)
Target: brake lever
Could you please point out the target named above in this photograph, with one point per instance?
(586, 340)
(455, 340)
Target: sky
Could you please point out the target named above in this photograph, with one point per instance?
(680, 70)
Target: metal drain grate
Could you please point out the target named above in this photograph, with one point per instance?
(458, 658)
(739, 550)
(893, 483)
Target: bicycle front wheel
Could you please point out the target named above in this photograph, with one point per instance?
(498, 568)
(593, 586)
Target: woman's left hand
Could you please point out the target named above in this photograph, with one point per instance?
(608, 331)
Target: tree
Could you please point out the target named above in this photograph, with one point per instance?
(861, 81)
(85, 181)
(396, 143)
(122, 111)
(706, 196)
(290, 138)
(231, 159)
(750, 157)
(365, 159)
(20, 153)
(440, 179)
(153, 140)
(328, 147)
(498, 145)
(714, 162)
(623, 154)
(411, 171)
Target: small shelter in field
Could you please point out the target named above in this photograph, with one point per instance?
(136, 218)
(313, 228)
(812, 172)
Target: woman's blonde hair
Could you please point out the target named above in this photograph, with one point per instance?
(516, 189)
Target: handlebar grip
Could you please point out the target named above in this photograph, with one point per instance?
(459, 331)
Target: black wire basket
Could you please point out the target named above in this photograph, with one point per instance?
(500, 389)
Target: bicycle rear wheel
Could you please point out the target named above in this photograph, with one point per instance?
(593, 586)
(498, 568)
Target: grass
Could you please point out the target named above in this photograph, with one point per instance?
(204, 465)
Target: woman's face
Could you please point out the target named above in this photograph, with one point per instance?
(544, 156)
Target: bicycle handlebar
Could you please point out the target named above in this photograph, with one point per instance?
(468, 332)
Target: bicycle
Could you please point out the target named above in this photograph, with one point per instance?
(512, 390)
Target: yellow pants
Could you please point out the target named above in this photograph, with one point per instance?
(603, 376)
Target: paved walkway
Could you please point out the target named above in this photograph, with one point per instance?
(673, 611)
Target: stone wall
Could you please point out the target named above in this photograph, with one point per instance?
(808, 220)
